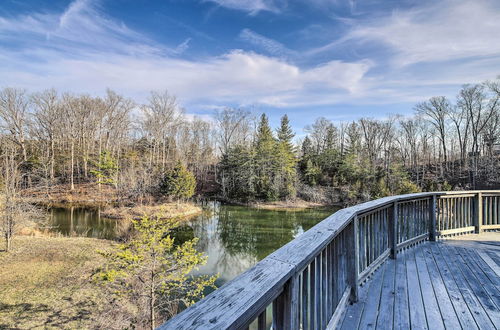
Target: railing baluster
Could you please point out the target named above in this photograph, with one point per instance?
(393, 237)
(317, 287)
(312, 294)
(262, 322)
(432, 215)
(304, 305)
(478, 217)
(352, 259)
(286, 306)
(324, 288)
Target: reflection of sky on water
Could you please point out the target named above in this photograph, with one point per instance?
(233, 237)
(236, 237)
(84, 222)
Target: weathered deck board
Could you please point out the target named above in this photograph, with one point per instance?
(480, 291)
(448, 314)
(401, 311)
(353, 314)
(431, 306)
(370, 312)
(490, 273)
(386, 313)
(416, 304)
(471, 299)
(450, 284)
(481, 276)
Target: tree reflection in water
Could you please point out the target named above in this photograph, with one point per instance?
(237, 237)
(234, 237)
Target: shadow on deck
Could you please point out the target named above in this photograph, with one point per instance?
(452, 284)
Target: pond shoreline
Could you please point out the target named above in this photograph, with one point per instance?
(286, 205)
(116, 207)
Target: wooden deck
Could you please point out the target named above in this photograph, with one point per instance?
(450, 284)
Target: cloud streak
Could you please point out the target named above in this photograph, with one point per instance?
(83, 50)
(443, 31)
(250, 6)
(271, 46)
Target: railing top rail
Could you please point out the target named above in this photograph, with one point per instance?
(236, 303)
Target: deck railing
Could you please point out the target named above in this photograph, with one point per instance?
(307, 283)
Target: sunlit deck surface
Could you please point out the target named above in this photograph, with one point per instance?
(452, 284)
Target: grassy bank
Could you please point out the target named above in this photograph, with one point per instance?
(89, 195)
(296, 204)
(45, 283)
(165, 210)
(83, 194)
(292, 205)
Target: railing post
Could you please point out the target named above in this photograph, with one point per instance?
(393, 229)
(478, 216)
(353, 260)
(432, 218)
(286, 306)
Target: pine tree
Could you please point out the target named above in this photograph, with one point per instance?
(307, 148)
(152, 271)
(106, 169)
(265, 161)
(285, 133)
(236, 174)
(178, 183)
(331, 137)
(311, 173)
(287, 162)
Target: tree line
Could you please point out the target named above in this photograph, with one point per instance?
(77, 138)
(441, 146)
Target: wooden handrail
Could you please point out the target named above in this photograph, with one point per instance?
(309, 281)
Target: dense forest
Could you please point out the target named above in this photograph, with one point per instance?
(68, 139)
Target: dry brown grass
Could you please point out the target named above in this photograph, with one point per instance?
(45, 283)
(291, 205)
(165, 210)
(84, 193)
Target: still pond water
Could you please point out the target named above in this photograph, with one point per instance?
(233, 237)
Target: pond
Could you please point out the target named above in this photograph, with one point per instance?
(233, 237)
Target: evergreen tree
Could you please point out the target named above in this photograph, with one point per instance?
(236, 174)
(331, 137)
(311, 173)
(287, 162)
(106, 169)
(285, 133)
(265, 161)
(151, 271)
(178, 183)
(307, 148)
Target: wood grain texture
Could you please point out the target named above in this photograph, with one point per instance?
(435, 285)
(326, 251)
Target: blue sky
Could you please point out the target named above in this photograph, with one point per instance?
(341, 59)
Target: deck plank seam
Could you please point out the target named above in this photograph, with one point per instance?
(470, 299)
(435, 256)
(420, 250)
(477, 294)
(430, 260)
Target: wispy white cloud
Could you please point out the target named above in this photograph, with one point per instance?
(84, 50)
(269, 45)
(234, 77)
(80, 26)
(250, 6)
(442, 31)
(182, 47)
